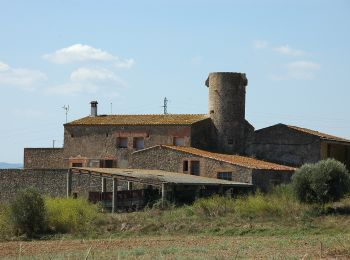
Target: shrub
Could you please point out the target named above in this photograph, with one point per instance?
(325, 181)
(70, 215)
(28, 212)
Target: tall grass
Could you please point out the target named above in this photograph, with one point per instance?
(70, 215)
(7, 229)
(279, 203)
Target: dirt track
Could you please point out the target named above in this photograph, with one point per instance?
(170, 247)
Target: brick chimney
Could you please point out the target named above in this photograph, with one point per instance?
(93, 108)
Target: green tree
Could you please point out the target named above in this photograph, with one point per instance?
(28, 212)
(322, 182)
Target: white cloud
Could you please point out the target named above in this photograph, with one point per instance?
(258, 45)
(83, 53)
(300, 70)
(88, 80)
(20, 77)
(286, 50)
(88, 74)
(303, 69)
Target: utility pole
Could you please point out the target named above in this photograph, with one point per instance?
(111, 108)
(165, 106)
(66, 108)
(53, 143)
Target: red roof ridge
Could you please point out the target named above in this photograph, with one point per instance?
(317, 133)
(239, 160)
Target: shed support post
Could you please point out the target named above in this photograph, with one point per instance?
(197, 192)
(221, 190)
(114, 195)
(164, 193)
(69, 183)
(129, 185)
(103, 184)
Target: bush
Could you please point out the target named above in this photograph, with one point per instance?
(28, 212)
(70, 215)
(325, 181)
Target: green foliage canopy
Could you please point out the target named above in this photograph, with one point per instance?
(28, 212)
(322, 182)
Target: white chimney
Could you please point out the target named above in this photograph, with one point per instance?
(93, 108)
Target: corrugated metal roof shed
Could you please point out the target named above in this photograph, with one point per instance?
(157, 177)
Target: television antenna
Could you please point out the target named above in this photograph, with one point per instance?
(165, 106)
(66, 108)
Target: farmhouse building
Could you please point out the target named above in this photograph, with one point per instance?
(291, 145)
(221, 144)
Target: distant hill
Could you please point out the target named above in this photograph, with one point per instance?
(4, 165)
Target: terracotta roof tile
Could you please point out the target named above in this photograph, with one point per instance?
(170, 119)
(233, 159)
(319, 134)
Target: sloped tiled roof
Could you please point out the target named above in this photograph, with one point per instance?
(169, 119)
(243, 161)
(319, 134)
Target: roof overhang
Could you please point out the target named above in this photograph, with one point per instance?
(156, 177)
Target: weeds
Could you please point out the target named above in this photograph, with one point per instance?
(70, 215)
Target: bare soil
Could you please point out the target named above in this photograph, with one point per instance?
(181, 247)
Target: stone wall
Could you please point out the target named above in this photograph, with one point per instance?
(51, 182)
(93, 143)
(266, 179)
(161, 158)
(43, 158)
(227, 91)
(283, 145)
(170, 160)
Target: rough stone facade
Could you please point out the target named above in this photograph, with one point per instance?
(89, 145)
(284, 145)
(171, 160)
(44, 158)
(49, 181)
(227, 92)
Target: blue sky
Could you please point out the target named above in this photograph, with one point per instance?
(296, 55)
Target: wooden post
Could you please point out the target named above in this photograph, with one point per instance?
(69, 183)
(114, 195)
(164, 193)
(103, 184)
(129, 185)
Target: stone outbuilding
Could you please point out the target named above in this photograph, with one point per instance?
(189, 160)
(294, 146)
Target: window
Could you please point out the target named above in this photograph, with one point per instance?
(225, 176)
(185, 166)
(107, 163)
(77, 165)
(195, 168)
(122, 142)
(139, 143)
(179, 141)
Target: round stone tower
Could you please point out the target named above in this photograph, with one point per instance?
(227, 110)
